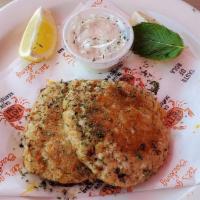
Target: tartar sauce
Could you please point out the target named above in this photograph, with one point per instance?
(97, 37)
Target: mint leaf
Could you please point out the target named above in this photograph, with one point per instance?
(156, 42)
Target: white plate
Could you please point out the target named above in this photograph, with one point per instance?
(174, 13)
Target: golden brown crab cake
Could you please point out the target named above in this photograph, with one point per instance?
(117, 130)
(47, 152)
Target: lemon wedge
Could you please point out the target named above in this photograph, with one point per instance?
(139, 17)
(40, 36)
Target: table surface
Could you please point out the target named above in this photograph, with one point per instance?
(195, 3)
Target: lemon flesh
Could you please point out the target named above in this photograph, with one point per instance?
(39, 39)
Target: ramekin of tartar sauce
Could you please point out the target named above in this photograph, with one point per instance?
(99, 38)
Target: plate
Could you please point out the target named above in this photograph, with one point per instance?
(15, 15)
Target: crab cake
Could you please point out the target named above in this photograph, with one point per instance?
(117, 130)
(48, 153)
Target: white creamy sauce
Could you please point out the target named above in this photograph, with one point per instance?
(97, 37)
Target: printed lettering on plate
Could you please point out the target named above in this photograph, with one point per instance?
(13, 110)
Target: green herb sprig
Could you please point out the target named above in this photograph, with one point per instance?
(156, 42)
